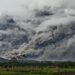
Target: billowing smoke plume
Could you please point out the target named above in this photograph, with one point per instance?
(37, 29)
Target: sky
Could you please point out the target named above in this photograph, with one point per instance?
(21, 6)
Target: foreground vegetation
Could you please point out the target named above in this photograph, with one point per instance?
(36, 68)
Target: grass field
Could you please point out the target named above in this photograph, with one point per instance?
(33, 71)
(47, 68)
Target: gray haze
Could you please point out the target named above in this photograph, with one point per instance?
(37, 29)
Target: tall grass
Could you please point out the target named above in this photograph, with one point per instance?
(23, 68)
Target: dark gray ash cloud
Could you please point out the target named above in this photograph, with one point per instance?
(37, 29)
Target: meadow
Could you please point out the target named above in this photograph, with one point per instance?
(37, 68)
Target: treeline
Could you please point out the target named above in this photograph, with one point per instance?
(59, 64)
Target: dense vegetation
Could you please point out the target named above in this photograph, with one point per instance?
(59, 64)
(40, 68)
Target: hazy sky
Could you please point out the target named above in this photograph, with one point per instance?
(19, 6)
(14, 6)
(9, 6)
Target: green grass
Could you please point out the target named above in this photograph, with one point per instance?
(34, 70)
(47, 68)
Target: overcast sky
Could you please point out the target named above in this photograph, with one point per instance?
(19, 6)
(14, 6)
